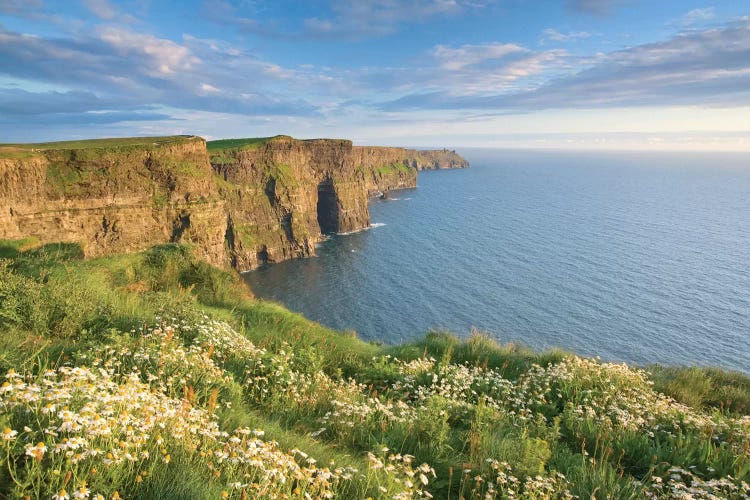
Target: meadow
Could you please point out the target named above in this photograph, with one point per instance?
(117, 142)
(155, 375)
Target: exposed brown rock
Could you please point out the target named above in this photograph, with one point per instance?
(434, 159)
(255, 202)
(114, 200)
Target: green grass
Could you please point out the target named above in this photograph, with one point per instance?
(12, 248)
(247, 143)
(704, 388)
(16, 153)
(394, 168)
(283, 175)
(116, 142)
(470, 408)
(65, 179)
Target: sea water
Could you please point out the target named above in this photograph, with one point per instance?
(635, 257)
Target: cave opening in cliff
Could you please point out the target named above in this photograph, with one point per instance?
(328, 208)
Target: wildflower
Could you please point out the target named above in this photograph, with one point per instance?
(9, 434)
(82, 492)
(61, 495)
(37, 451)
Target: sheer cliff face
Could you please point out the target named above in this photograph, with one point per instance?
(435, 159)
(384, 168)
(113, 200)
(261, 201)
(284, 195)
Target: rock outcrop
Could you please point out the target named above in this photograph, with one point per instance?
(239, 202)
(113, 198)
(283, 195)
(384, 169)
(434, 159)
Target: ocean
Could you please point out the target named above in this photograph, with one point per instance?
(635, 257)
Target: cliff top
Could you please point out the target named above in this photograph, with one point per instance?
(257, 142)
(14, 150)
(244, 143)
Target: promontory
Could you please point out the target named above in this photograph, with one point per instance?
(239, 202)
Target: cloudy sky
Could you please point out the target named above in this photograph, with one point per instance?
(620, 74)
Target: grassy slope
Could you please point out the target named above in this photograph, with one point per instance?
(99, 143)
(476, 402)
(246, 143)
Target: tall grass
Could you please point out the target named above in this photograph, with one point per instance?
(259, 401)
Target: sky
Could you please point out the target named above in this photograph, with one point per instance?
(588, 74)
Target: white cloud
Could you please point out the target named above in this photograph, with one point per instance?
(697, 16)
(162, 57)
(491, 67)
(557, 36)
(699, 68)
(206, 87)
(468, 55)
(103, 9)
(349, 19)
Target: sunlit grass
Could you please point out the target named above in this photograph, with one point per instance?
(154, 375)
(97, 143)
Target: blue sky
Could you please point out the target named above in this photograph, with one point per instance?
(603, 74)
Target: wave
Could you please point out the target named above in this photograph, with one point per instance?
(371, 226)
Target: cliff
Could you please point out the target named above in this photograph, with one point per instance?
(384, 168)
(240, 202)
(284, 194)
(113, 196)
(434, 159)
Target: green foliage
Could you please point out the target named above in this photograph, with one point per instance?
(703, 388)
(396, 168)
(193, 351)
(248, 143)
(20, 298)
(247, 234)
(118, 142)
(11, 152)
(65, 179)
(186, 167)
(479, 349)
(223, 159)
(160, 200)
(13, 248)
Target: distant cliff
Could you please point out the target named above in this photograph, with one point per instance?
(434, 159)
(240, 202)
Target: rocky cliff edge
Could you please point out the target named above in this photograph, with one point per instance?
(239, 202)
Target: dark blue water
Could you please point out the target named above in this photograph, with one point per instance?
(632, 257)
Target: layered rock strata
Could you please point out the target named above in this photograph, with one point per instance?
(114, 199)
(240, 203)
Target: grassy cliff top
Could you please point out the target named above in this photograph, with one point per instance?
(109, 143)
(244, 143)
(256, 142)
